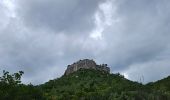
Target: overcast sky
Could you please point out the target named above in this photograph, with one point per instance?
(41, 37)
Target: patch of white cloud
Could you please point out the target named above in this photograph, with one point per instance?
(97, 32)
(10, 7)
(104, 17)
(125, 75)
(7, 10)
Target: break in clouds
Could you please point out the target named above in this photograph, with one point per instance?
(41, 37)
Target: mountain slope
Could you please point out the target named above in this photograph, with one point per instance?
(88, 84)
(84, 84)
(161, 85)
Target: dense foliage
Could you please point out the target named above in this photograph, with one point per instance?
(95, 85)
(12, 89)
(84, 84)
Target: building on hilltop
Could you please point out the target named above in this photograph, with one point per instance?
(86, 64)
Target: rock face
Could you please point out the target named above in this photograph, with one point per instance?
(86, 64)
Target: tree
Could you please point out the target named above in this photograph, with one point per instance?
(11, 79)
(12, 89)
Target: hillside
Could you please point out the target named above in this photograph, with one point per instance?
(84, 84)
(89, 84)
(160, 85)
(83, 80)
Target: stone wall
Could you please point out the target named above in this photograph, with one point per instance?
(86, 64)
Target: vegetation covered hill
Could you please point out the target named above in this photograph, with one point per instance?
(89, 84)
(161, 85)
(85, 84)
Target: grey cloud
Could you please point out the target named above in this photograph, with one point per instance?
(138, 41)
(60, 15)
(35, 40)
(141, 34)
(38, 53)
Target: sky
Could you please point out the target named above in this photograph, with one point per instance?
(42, 37)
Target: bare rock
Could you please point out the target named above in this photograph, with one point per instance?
(86, 64)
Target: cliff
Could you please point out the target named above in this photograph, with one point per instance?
(86, 64)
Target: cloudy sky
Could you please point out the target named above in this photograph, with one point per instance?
(41, 37)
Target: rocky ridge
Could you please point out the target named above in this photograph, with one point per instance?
(86, 64)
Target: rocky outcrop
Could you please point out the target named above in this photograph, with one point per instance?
(86, 64)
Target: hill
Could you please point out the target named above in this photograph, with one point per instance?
(84, 80)
(160, 85)
(89, 84)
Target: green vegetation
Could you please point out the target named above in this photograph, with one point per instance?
(12, 89)
(84, 84)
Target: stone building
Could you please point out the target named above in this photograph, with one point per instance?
(86, 64)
